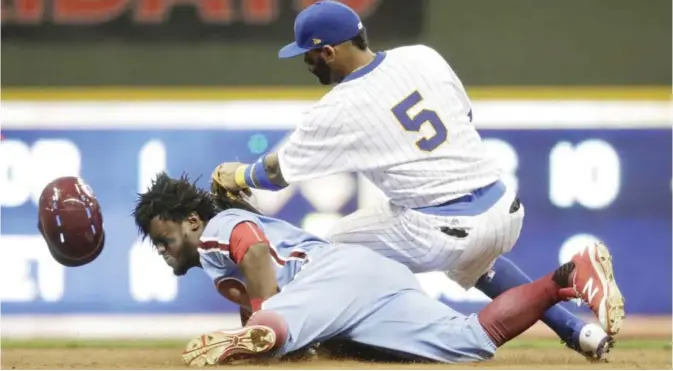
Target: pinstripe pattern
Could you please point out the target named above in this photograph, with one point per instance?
(353, 129)
(414, 239)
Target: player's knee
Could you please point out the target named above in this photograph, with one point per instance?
(275, 322)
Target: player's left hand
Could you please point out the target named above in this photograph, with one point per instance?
(224, 177)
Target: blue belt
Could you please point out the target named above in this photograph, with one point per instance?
(475, 203)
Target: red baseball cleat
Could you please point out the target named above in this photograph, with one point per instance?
(593, 281)
(225, 346)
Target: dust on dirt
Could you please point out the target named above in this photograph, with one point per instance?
(170, 359)
(509, 357)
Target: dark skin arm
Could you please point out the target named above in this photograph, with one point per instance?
(272, 167)
(259, 272)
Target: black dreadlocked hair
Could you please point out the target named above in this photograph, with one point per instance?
(172, 200)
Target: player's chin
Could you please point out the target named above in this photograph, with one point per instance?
(180, 270)
(170, 261)
(325, 80)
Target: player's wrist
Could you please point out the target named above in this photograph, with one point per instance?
(259, 178)
(242, 177)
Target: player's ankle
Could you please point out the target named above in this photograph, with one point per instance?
(562, 276)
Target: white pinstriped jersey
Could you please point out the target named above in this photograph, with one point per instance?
(404, 122)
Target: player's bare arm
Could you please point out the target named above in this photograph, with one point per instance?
(259, 273)
(235, 292)
(249, 248)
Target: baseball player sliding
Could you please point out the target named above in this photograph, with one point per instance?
(402, 118)
(303, 290)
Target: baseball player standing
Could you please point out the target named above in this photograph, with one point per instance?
(402, 118)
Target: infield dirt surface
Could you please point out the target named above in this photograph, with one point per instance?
(644, 344)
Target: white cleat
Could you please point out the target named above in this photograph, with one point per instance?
(593, 342)
(225, 346)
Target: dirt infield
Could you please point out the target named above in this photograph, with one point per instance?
(169, 359)
(645, 344)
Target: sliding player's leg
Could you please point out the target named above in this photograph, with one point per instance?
(589, 276)
(339, 288)
(578, 334)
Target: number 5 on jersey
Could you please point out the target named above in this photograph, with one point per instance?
(401, 112)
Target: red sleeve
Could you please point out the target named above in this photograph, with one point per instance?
(243, 236)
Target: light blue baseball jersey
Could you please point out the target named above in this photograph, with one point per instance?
(343, 291)
(290, 245)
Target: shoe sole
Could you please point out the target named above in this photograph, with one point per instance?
(601, 260)
(218, 347)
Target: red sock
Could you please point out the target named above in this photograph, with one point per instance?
(274, 321)
(517, 309)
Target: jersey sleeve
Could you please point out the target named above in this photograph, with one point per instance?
(215, 247)
(245, 235)
(321, 145)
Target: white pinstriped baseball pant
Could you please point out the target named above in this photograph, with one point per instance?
(414, 238)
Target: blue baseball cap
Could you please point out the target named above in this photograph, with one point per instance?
(324, 23)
